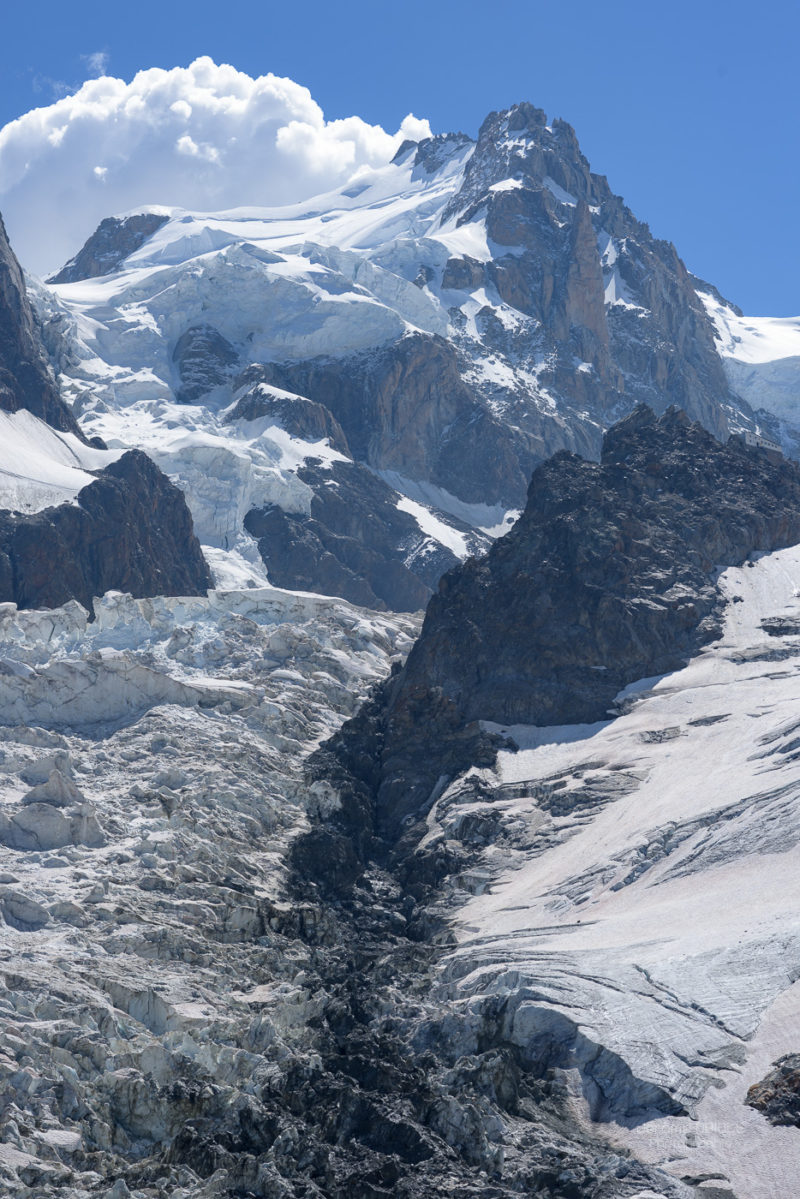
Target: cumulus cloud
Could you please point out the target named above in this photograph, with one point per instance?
(203, 137)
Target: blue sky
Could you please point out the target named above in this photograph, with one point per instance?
(692, 110)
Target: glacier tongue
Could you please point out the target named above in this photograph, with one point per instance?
(150, 788)
(636, 908)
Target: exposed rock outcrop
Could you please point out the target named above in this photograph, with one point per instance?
(777, 1096)
(129, 530)
(406, 408)
(608, 577)
(355, 542)
(204, 360)
(26, 380)
(298, 415)
(111, 243)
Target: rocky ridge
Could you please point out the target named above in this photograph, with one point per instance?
(130, 529)
(26, 378)
(112, 242)
(601, 291)
(608, 576)
(480, 838)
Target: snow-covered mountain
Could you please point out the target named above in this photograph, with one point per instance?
(301, 896)
(410, 345)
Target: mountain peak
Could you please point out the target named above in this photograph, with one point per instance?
(518, 144)
(114, 240)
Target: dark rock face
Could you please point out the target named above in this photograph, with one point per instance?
(129, 531)
(111, 243)
(778, 1095)
(568, 253)
(204, 360)
(609, 576)
(26, 380)
(355, 543)
(406, 408)
(297, 415)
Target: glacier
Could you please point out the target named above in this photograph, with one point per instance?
(644, 896)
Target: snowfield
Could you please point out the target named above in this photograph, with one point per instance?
(648, 905)
(41, 467)
(761, 355)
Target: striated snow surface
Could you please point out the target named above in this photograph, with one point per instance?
(761, 355)
(636, 911)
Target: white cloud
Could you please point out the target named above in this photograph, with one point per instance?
(96, 63)
(204, 137)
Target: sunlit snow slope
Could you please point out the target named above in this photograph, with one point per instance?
(761, 355)
(292, 283)
(637, 910)
(41, 466)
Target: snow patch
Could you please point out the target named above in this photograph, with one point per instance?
(41, 467)
(434, 527)
(563, 197)
(488, 518)
(761, 356)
